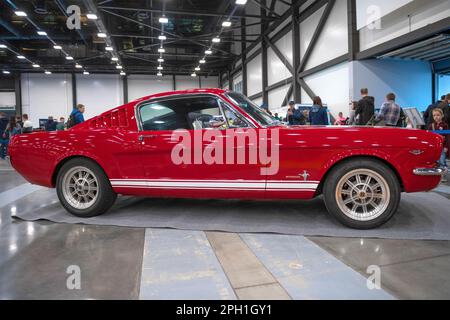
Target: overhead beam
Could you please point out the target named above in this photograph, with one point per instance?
(186, 12)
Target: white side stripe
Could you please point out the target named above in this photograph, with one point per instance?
(219, 184)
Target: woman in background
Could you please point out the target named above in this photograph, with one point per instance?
(318, 115)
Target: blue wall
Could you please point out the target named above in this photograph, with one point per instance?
(409, 80)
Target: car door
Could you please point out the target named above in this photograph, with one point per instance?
(184, 149)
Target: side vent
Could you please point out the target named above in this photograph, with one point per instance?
(114, 119)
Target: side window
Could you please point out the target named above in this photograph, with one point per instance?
(204, 113)
(162, 116)
(234, 120)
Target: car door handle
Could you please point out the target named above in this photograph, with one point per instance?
(142, 137)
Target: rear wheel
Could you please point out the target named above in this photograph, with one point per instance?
(362, 193)
(84, 189)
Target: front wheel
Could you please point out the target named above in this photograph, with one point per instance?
(84, 189)
(362, 193)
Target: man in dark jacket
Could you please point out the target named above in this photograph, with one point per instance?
(3, 141)
(365, 108)
(50, 125)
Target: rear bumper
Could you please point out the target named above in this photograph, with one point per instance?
(439, 171)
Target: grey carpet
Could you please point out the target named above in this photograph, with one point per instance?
(420, 216)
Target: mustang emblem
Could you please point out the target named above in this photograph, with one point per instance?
(305, 175)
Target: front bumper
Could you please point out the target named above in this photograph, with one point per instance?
(439, 171)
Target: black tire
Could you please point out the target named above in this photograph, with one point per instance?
(105, 196)
(336, 192)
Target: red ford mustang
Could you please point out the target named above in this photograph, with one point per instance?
(211, 143)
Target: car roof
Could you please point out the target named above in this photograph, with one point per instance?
(179, 92)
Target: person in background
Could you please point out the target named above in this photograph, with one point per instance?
(277, 117)
(61, 126)
(444, 105)
(340, 121)
(76, 117)
(290, 113)
(3, 140)
(295, 117)
(439, 124)
(365, 108)
(50, 125)
(352, 118)
(428, 114)
(390, 112)
(19, 121)
(318, 115)
(27, 124)
(12, 129)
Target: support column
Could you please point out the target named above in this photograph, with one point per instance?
(264, 27)
(353, 34)
(74, 90)
(296, 89)
(18, 91)
(125, 89)
(244, 56)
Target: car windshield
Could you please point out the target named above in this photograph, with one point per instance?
(252, 109)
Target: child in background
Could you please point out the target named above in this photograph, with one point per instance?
(438, 124)
(340, 121)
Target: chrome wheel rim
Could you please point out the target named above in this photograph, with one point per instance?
(362, 195)
(80, 188)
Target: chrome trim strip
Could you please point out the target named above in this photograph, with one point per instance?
(440, 171)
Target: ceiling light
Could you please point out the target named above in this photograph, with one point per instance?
(69, 58)
(101, 35)
(78, 66)
(163, 20)
(108, 48)
(3, 46)
(208, 52)
(197, 69)
(91, 16)
(42, 33)
(226, 24)
(159, 74)
(85, 72)
(202, 61)
(160, 60)
(161, 50)
(162, 37)
(159, 68)
(20, 13)
(36, 65)
(193, 74)
(123, 73)
(241, 2)
(6, 72)
(216, 40)
(115, 59)
(21, 57)
(118, 67)
(57, 47)
(48, 72)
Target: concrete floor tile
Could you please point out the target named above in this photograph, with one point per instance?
(271, 291)
(423, 279)
(242, 267)
(361, 253)
(308, 272)
(179, 265)
(109, 259)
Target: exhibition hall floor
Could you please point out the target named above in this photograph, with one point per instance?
(37, 260)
